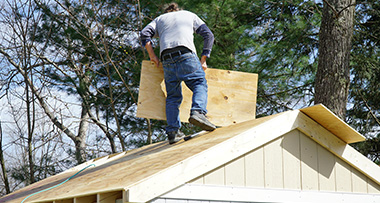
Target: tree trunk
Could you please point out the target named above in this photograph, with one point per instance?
(333, 75)
(2, 161)
(80, 140)
(30, 117)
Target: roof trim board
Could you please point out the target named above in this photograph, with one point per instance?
(192, 167)
(333, 123)
(338, 147)
(247, 141)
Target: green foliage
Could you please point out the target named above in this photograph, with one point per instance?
(365, 76)
(276, 39)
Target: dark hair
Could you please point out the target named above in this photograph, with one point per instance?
(171, 7)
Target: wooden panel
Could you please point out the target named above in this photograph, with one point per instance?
(215, 177)
(291, 159)
(235, 173)
(326, 169)
(309, 164)
(273, 164)
(359, 182)
(254, 168)
(373, 188)
(231, 95)
(110, 197)
(343, 176)
(332, 123)
(87, 199)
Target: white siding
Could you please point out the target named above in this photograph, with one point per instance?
(293, 162)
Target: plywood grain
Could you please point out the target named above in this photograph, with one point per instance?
(231, 95)
(332, 123)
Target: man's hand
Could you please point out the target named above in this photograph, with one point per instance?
(151, 53)
(155, 60)
(203, 62)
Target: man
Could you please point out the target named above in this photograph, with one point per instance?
(175, 29)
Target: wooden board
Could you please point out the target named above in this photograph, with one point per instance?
(231, 95)
(333, 123)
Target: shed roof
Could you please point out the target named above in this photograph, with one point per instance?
(148, 172)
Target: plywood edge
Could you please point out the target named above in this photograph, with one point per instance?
(205, 161)
(233, 91)
(338, 147)
(333, 123)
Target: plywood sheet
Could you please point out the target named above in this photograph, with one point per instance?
(333, 123)
(231, 95)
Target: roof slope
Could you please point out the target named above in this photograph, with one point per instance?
(144, 173)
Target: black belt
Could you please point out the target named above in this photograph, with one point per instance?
(174, 53)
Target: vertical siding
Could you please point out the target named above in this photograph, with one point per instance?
(273, 165)
(216, 177)
(326, 168)
(293, 161)
(343, 176)
(235, 173)
(309, 164)
(359, 182)
(254, 168)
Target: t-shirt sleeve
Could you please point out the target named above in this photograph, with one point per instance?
(149, 32)
(197, 22)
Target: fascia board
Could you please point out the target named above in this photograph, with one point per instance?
(333, 123)
(338, 147)
(193, 167)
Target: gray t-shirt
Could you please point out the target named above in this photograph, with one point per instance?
(176, 29)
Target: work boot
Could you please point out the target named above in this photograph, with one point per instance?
(175, 136)
(199, 119)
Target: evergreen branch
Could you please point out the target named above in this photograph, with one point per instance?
(337, 13)
(332, 8)
(345, 8)
(369, 108)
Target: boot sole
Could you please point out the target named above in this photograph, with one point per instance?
(201, 124)
(177, 139)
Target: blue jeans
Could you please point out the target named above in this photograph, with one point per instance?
(187, 68)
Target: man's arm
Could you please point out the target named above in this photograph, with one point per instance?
(151, 53)
(203, 62)
(146, 38)
(208, 38)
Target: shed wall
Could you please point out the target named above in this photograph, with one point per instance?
(293, 161)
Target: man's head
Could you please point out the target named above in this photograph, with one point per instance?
(171, 7)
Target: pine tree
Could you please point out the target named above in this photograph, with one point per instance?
(333, 75)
